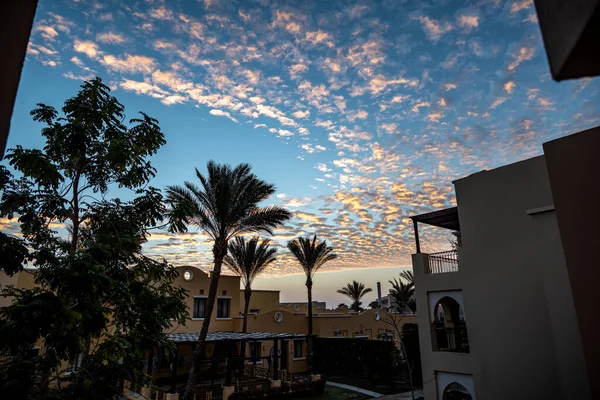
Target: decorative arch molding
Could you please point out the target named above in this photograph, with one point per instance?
(435, 297)
(444, 379)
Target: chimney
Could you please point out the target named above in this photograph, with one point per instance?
(379, 293)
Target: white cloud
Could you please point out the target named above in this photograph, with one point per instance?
(509, 86)
(110, 37)
(221, 113)
(523, 55)
(173, 99)
(47, 32)
(86, 47)
(301, 114)
(434, 29)
(284, 132)
(468, 22)
(130, 63)
(519, 5)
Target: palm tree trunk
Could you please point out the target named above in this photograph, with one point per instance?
(219, 252)
(310, 325)
(309, 287)
(247, 295)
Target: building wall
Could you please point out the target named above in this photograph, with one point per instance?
(229, 286)
(520, 318)
(276, 319)
(22, 280)
(573, 165)
(263, 300)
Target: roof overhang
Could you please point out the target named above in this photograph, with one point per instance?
(446, 218)
(192, 337)
(571, 32)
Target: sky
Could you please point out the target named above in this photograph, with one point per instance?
(362, 113)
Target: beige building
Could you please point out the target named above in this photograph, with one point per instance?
(502, 320)
(267, 315)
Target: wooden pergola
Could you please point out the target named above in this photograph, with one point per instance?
(446, 218)
(230, 339)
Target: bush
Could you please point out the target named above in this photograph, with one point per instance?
(355, 357)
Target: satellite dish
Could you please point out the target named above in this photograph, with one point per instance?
(296, 307)
(278, 317)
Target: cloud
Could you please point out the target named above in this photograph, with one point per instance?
(468, 22)
(298, 69)
(131, 63)
(389, 127)
(434, 29)
(450, 86)
(284, 133)
(379, 83)
(451, 60)
(110, 37)
(524, 54)
(161, 13)
(509, 86)
(318, 37)
(519, 5)
(420, 104)
(86, 47)
(301, 114)
(498, 101)
(47, 32)
(143, 87)
(286, 20)
(70, 75)
(221, 113)
(174, 99)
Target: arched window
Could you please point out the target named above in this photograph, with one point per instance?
(456, 391)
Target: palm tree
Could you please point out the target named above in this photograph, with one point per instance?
(401, 292)
(311, 255)
(224, 205)
(355, 291)
(248, 260)
(408, 277)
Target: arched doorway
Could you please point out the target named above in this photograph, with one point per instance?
(456, 391)
(449, 326)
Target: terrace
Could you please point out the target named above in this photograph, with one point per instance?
(445, 261)
(235, 362)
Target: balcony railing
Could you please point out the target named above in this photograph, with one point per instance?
(445, 261)
(451, 339)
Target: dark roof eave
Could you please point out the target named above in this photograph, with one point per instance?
(446, 218)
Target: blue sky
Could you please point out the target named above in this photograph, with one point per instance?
(361, 112)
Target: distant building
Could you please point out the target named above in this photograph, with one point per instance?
(267, 315)
(513, 312)
(319, 305)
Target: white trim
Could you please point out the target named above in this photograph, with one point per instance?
(223, 297)
(540, 210)
(200, 297)
(224, 319)
(298, 358)
(361, 336)
(197, 319)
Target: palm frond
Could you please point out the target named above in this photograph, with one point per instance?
(249, 258)
(311, 254)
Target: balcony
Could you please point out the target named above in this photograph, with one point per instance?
(442, 262)
(445, 261)
(452, 339)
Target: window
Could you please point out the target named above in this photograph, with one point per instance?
(199, 307)
(298, 348)
(255, 352)
(223, 307)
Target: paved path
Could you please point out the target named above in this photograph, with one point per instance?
(403, 396)
(354, 389)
